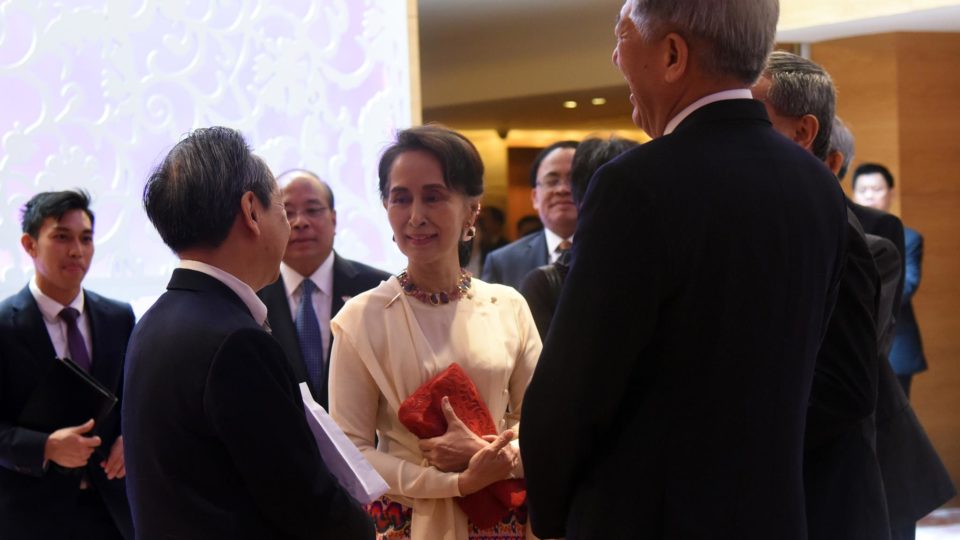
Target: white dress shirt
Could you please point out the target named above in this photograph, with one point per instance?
(553, 241)
(737, 93)
(57, 327)
(322, 296)
(250, 299)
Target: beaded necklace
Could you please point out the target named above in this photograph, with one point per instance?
(437, 298)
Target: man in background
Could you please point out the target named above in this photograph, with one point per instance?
(873, 188)
(553, 200)
(314, 280)
(218, 443)
(798, 92)
(678, 365)
(67, 484)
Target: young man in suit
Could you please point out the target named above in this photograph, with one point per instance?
(799, 98)
(873, 188)
(678, 366)
(553, 200)
(218, 444)
(296, 324)
(68, 483)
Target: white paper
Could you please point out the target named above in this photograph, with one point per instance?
(341, 457)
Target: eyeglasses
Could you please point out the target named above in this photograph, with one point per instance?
(554, 182)
(312, 212)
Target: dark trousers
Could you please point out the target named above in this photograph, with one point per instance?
(94, 520)
(903, 532)
(905, 381)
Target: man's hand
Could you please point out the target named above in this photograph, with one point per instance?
(68, 447)
(451, 452)
(113, 465)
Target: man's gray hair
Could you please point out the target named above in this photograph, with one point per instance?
(798, 87)
(739, 33)
(841, 140)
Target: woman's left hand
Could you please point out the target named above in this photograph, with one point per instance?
(451, 452)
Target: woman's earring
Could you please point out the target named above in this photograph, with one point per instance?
(469, 234)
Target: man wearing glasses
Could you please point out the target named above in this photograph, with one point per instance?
(314, 281)
(553, 200)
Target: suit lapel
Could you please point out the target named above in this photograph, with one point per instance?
(281, 323)
(538, 245)
(343, 274)
(32, 332)
(106, 355)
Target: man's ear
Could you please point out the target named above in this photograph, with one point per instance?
(250, 213)
(835, 162)
(805, 131)
(676, 57)
(533, 199)
(29, 245)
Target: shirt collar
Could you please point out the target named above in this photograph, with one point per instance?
(554, 239)
(736, 93)
(322, 277)
(50, 308)
(257, 308)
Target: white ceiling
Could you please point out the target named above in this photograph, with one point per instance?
(485, 51)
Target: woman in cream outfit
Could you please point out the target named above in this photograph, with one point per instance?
(392, 339)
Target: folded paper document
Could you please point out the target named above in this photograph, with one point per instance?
(341, 457)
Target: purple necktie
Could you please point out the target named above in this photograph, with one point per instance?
(78, 349)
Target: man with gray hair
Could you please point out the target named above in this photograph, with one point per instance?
(855, 393)
(219, 446)
(840, 433)
(840, 153)
(670, 398)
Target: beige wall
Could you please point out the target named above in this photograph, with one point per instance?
(900, 93)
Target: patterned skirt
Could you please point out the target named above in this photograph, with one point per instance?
(392, 522)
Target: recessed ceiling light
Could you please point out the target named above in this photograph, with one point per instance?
(599, 101)
(569, 104)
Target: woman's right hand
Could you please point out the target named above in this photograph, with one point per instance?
(492, 463)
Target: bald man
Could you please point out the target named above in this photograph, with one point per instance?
(311, 269)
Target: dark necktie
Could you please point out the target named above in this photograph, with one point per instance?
(75, 343)
(311, 340)
(563, 247)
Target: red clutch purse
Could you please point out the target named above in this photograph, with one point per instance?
(422, 414)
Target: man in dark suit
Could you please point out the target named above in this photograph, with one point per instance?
(553, 200)
(333, 280)
(873, 188)
(839, 445)
(69, 483)
(677, 369)
(218, 444)
(797, 92)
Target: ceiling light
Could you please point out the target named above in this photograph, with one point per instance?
(569, 104)
(599, 101)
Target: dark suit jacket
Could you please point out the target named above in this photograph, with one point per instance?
(907, 357)
(350, 278)
(677, 368)
(886, 226)
(29, 495)
(914, 478)
(509, 264)
(217, 445)
(844, 491)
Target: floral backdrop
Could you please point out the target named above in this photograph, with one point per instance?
(95, 92)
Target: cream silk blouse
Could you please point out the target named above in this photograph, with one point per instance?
(386, 344)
